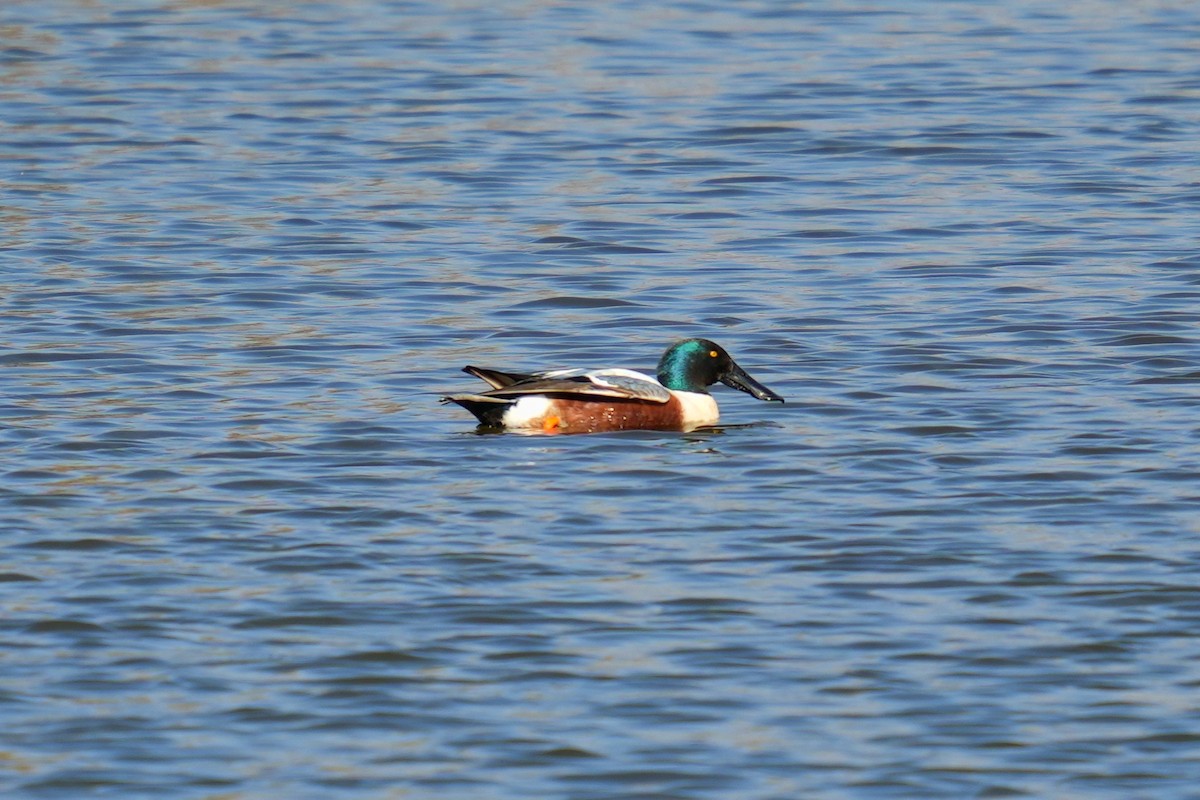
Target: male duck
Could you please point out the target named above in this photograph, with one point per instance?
(587, 401)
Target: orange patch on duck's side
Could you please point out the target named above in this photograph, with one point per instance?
(551, 423)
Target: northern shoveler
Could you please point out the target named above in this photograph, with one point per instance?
(587, 401)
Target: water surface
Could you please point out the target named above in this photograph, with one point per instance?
(246, 554)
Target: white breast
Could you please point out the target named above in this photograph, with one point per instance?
(698, 408)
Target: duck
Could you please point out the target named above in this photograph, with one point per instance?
(597, 400)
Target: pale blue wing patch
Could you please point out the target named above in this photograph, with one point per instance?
(619, 383)
(631, 384)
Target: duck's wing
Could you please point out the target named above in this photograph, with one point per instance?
(603, 383)
(631, 384)
(497, 379)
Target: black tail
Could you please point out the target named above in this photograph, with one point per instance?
(488, 410)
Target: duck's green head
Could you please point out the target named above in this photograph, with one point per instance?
(695, 364)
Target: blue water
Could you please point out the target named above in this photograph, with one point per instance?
(244, 552)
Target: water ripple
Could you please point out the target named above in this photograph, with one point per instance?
(248, 554)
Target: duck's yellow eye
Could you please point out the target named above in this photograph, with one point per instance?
(712, 353)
